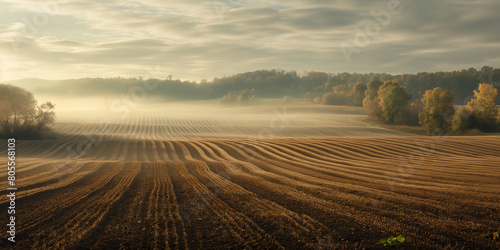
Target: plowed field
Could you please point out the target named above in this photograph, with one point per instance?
(205, 182)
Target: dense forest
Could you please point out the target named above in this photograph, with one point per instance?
(275, 84)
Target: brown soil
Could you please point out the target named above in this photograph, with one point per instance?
(138, 189)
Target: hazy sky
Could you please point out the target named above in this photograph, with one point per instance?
(195, 39)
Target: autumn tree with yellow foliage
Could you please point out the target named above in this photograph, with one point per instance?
(438, 110)
(483, 107)
(393, 100)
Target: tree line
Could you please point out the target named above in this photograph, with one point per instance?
(328, 88)
(426, 99)
(390, 103)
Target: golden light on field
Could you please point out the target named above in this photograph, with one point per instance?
(207, 181)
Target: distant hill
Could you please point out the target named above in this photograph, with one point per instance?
(31, 84)
(267, 84)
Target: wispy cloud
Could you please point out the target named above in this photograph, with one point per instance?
(204, 39)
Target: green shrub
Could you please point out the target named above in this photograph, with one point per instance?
(393, 241)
